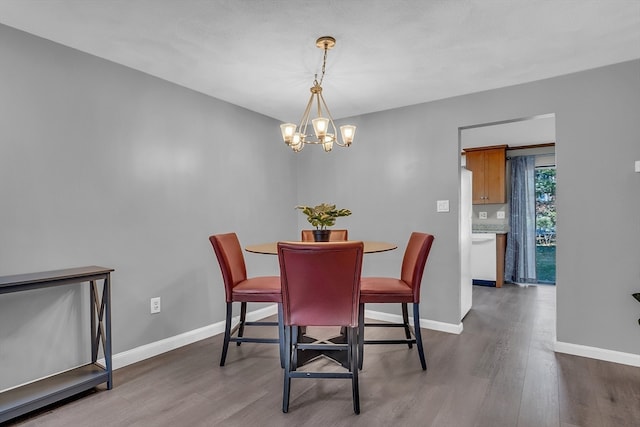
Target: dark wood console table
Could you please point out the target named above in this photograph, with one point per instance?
(23, 399)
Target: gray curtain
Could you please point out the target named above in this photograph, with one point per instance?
(520, 259)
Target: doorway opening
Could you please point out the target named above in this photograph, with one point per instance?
(533, 240)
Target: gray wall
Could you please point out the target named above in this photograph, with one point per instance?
(104, 165)
(100, 164)
(404, 160)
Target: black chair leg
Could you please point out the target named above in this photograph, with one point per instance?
(227, 334)
(405, 320)
(353, 367)
(243, 319)
(418, 333)
(287, 369)
(281, 336)
(293, 348)
(360, 335)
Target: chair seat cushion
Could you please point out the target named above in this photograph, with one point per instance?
(258, 289)
(384, 289)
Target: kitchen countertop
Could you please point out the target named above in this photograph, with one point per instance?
(490, 228)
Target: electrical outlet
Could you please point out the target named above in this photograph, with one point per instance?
(155, 305)
(442, 206)
(500, 215)
(482, 215)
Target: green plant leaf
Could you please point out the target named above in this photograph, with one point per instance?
(323, 215)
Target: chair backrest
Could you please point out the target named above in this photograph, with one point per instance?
(415, 258)
(320, 283)
(334, 236)
(229, 254)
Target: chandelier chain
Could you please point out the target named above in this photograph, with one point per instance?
(324, 63)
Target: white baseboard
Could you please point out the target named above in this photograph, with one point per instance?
(155, 348)
(146, 351)
(598, 353)
(424, 323)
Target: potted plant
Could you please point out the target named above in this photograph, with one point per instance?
(322, 216)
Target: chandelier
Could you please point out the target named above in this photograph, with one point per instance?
(323, 127)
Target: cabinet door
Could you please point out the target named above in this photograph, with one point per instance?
(495, 176)
(475, 163)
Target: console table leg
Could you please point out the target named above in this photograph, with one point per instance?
(106, 301)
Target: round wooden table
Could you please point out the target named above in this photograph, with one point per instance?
(271, 248)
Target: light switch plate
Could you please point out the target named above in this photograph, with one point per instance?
(637, 165)
(482, 215)
(443, 206)
(500, 215)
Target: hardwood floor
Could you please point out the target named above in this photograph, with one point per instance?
(501, 371)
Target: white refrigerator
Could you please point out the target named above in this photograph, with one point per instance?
(466, 218)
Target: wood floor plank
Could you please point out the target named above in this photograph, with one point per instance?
(463, 402)
(618, 393)
(577, 396)
(539, 403)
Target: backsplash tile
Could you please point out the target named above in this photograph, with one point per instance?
(489, 228)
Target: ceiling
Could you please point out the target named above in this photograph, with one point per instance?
(261, 54)
(517, 133)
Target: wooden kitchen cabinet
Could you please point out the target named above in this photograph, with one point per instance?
(488, 165)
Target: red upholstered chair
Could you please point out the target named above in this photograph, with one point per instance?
(239, 288)
(334, 236)
(404, 290)
(320, 287)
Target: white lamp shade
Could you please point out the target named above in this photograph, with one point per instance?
(327, 142)
(320, 126)
(348, 132)
(296, 144)
(288, 131)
